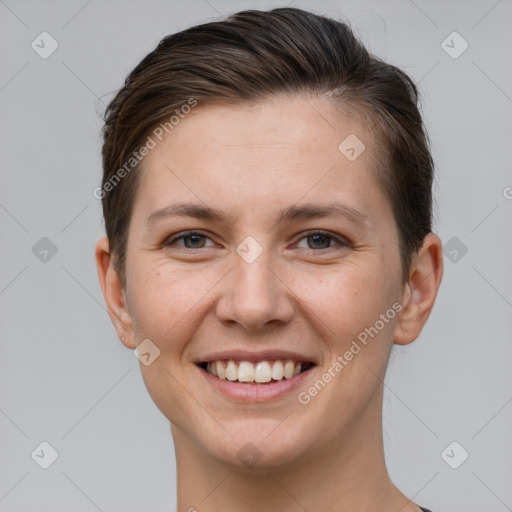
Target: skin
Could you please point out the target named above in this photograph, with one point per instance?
(191, 299)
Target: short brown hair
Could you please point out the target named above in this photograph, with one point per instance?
(247, 57)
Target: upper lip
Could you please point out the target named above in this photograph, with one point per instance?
(250, 355)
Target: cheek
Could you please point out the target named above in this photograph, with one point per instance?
(347, 310)
(165, 300)
(347, 299)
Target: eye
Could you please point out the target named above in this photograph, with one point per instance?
(196, 240)
(316, 241)
(321, 240)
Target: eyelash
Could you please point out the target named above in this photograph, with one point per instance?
(341, 241)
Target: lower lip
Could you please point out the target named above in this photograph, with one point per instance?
(255, 392)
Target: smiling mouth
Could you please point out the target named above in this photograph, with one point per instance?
(260, 372)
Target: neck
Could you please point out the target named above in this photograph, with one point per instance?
(348, 474)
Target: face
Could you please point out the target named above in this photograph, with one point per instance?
(264, 277)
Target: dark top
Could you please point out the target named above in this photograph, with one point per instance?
(425, 509)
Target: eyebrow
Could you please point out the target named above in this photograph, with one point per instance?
(307, 211)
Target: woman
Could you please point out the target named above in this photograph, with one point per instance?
(267, 203)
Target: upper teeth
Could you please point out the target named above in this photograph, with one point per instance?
(246, 371)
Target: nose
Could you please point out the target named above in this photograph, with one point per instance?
(255, 295)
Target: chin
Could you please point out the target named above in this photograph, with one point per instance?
(260, 445)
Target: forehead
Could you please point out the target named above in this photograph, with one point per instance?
(256, 155)
(279, 128)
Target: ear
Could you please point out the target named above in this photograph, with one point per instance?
(420, 291)
(114, 294)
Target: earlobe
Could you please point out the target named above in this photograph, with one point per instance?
(420, 290)
(114, 293)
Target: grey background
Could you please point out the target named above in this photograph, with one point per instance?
(66, 379)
